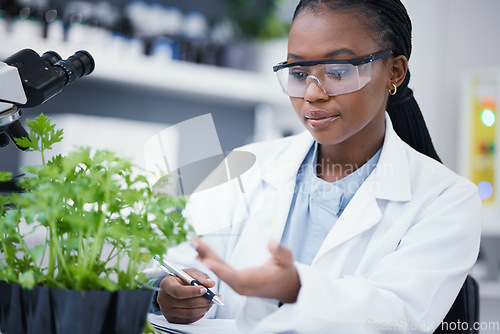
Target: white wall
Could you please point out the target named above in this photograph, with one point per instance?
(449, 37)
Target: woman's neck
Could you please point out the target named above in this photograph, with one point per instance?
(337, 161)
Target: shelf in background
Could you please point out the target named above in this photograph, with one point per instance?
(190, 79)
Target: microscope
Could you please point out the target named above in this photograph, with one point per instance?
(27, 80)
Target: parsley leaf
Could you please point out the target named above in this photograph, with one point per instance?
(41, 137)
(5, 176)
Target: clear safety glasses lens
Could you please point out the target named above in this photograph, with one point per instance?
(333, 79)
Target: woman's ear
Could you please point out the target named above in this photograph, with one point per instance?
(398, 70)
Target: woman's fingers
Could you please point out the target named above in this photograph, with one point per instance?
(201, 277)
(183, 303)
(213, 262)
(276, 278)
(204, 251)
(244, 281)
(223, 270)
(176, 288)
(282, 255)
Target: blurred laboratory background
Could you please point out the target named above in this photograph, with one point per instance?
(162, 62)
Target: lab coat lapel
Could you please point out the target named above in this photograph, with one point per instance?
(390, 180)
(268, 222)
(280, 177)
(361, 214)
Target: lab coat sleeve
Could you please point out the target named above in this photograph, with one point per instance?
(410, 289)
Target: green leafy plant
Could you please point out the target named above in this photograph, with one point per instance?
(257, 19)
(102, 222)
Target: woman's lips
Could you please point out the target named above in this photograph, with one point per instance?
(319, 119)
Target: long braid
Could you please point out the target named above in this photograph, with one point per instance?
(390, 20)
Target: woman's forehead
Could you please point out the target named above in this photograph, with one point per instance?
(321, 33)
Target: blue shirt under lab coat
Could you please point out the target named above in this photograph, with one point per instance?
(317, 205)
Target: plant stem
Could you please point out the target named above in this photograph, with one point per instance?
(132, 262)
(44, 249)
(55, 251)
(81, 252)
(98, 243)
(43, 157)
(52, 258)
(111, 254)
(94, 250)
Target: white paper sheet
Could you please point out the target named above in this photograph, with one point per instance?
(203, 326)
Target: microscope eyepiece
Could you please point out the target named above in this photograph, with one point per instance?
(41, 78)
(51, 57)
(76, 66)
(45, 76)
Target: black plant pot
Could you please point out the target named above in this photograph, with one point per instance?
(129, 312)
(79, 312)
(11, 309)
(57, 311)
(36, 302)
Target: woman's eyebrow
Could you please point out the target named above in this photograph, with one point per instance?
(340, 52)
(328, 55)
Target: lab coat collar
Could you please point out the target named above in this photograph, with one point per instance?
(282, 170)
(389, 180)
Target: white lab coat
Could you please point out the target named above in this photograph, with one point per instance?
(395, 259)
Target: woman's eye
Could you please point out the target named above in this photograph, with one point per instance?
(298, 75)
(338, 73)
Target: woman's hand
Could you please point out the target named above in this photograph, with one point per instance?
(277, 278)
(183, 303)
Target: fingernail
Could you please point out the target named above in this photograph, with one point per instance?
(273, 244)
(203, 290)
(209, 279)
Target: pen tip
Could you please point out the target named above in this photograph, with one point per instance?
(217, 301)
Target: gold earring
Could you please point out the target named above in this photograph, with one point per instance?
(393, 90)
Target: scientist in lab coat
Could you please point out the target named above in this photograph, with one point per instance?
(352, 226)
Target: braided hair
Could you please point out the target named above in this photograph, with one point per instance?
(392, 26)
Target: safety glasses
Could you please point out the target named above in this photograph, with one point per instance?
(334, 77)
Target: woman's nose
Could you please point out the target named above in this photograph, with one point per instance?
(314, 90)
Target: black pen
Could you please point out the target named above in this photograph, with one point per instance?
(173, 270)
